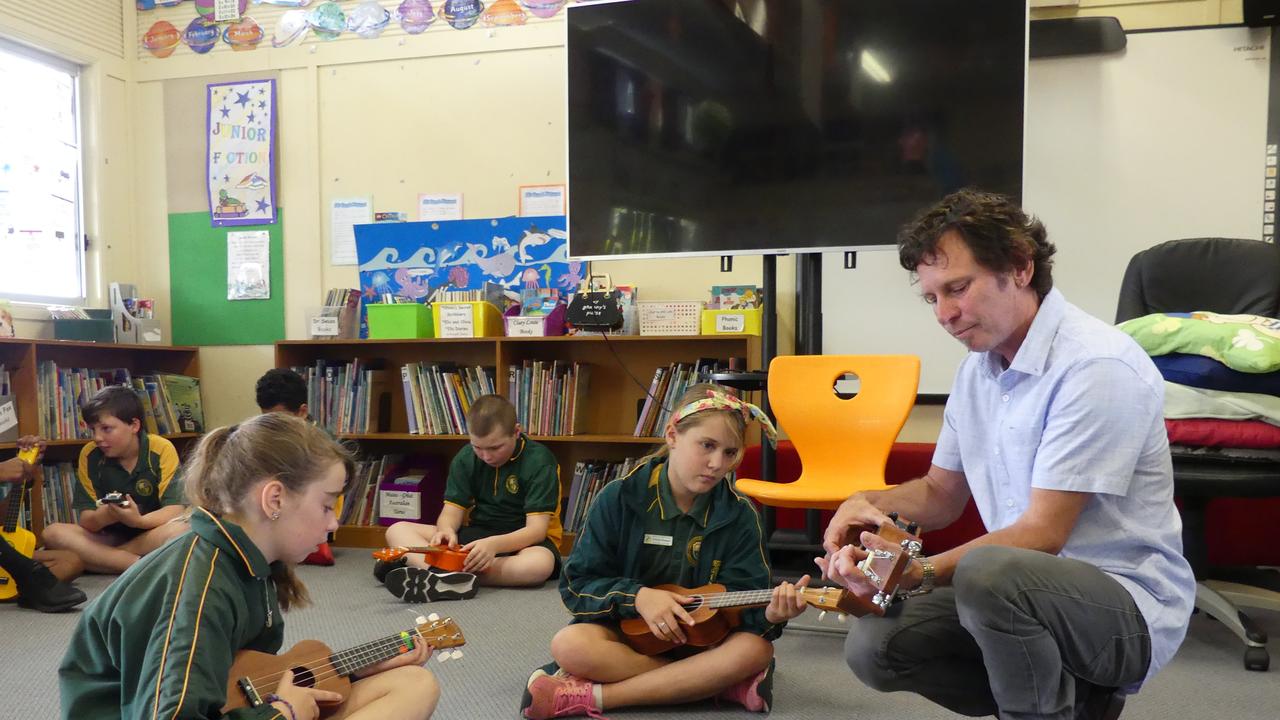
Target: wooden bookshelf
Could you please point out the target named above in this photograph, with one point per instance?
(22, 359)
(621, 370)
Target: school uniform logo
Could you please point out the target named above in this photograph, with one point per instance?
(144, 487)
(513, 484)
(693, 549)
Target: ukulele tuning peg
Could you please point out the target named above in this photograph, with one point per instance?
(433, 617)
(822, 616)
(443, 657)
(420, 620)
(843, 618)
(456, 655)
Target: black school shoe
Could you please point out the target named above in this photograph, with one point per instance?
(47, 593)
(382, 567)
(418, 585)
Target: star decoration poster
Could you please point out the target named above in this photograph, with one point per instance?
(241, 155)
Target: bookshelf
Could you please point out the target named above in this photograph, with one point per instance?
(22, 358)
(611, 402)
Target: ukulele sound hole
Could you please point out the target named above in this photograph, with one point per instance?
(304, 677)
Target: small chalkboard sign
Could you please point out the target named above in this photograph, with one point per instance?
(598, 309)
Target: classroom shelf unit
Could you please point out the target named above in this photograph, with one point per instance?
(22, 359)
(621, 370)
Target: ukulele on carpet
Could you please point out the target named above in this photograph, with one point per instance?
(22, 539)
(716, 612)
(438, 556)
(254, 675)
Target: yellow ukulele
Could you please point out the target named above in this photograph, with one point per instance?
(22, 539)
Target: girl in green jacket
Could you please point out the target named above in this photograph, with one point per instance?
(159, 643)
(675, 520)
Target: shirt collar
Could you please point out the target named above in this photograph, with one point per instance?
(232, 539)
(520, 443)
(1034, 351)
(667, 502)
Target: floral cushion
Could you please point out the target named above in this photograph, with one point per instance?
(1248, 343)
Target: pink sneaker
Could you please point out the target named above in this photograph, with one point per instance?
(754, 693)
(551, 696)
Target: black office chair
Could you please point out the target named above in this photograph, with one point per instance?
(1225, 276)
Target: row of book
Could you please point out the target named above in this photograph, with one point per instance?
(341, 396)
(437, 396)
(548, 395)
(360, 501)
(171, 403)
(363, 501)
(665, 389)
(589, 476)
(58, 493)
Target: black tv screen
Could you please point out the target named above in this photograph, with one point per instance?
(722, 127)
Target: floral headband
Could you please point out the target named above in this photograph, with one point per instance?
(716, 400)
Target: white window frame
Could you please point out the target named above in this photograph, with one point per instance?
(74, 70)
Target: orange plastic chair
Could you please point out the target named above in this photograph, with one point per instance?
(843, 444)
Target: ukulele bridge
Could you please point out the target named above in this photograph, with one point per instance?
(250, 692)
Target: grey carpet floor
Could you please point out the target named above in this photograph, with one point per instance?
(507, 632)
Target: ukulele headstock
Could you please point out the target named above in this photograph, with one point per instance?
(441, 634)
(389, 554)
(830, 599)
(884, 567)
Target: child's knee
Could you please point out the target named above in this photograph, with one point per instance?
(405, 530)
(58, 535)
(420, 685)
(573, 645)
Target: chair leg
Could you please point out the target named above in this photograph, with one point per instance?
(1211, 602)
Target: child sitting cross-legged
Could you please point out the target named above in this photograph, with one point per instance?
(501, 506)
(675, 520)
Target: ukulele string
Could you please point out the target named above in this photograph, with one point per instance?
(360, 652)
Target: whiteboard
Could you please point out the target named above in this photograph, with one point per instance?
(1124, 151)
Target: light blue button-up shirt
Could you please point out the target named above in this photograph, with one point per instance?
(1080, 409)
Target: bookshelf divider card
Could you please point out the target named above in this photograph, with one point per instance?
(580, 395)
(49, 379)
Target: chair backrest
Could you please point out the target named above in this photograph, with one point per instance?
(1221, 275)
(843, 444)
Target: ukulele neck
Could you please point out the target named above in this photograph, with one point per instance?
(355, 659)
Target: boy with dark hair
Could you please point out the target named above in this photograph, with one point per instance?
(282, 390)
(501, 505)
(43, 579)
(126, 496)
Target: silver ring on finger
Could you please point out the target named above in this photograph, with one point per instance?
(662, 625)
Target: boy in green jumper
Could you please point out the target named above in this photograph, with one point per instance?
(128, 501)
(676, 519)
(502, 505)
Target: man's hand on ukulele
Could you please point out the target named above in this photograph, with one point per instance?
(852, 517)
(302, 699)
(842, 565)
(448, 538)
(418, 655)
(787, 602)
(664, 611)
(480, 555)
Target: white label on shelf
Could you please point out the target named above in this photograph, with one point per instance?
(400, 504)
(525, 326)
(324, 327)
(226, 10)
(456, 321)
(8, 417)
(731, 323)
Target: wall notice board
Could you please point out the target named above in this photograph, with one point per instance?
(202, 314)
(1123, 151)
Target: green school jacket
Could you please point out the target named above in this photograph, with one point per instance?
(151, 483)
(159, 642)
(599, 582)
(500, 498)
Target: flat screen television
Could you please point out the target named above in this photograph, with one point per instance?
(724, 127)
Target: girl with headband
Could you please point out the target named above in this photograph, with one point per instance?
(675, 519)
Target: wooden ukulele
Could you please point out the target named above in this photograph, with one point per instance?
(882, 567)
(254, 675)
(716, 612)
(22, 539)
(438, 556)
